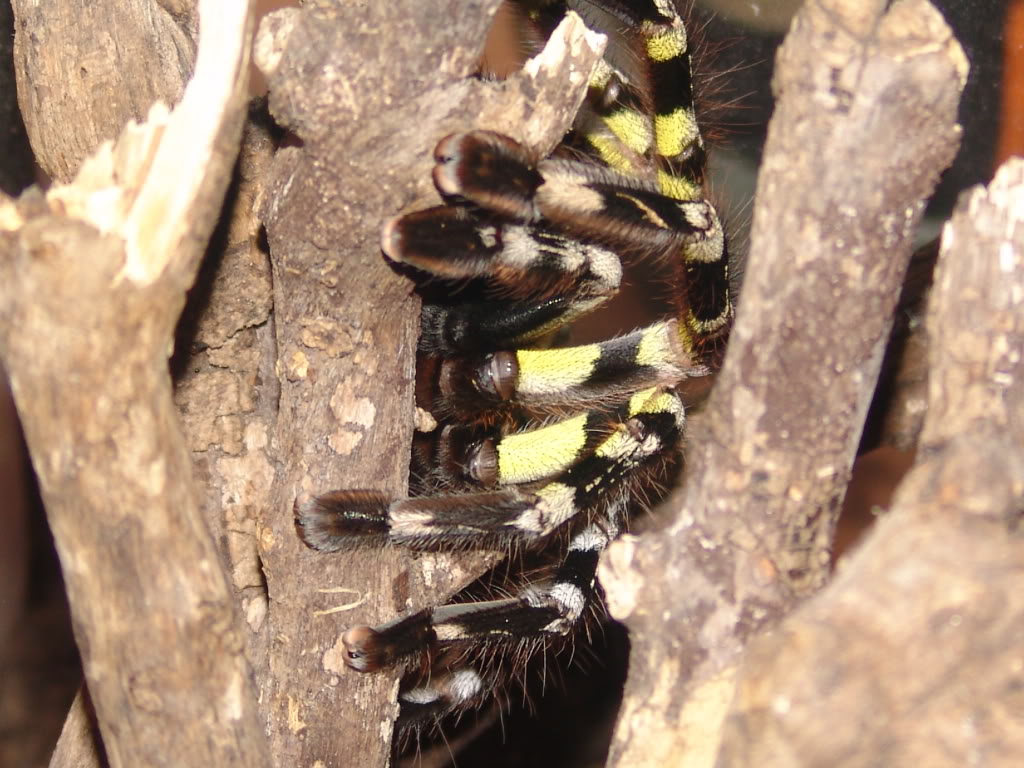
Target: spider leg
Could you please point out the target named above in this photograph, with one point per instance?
(624, 213)
(641, 107)
(542, 280)
(593, 201)
(512, 515)
(547, 610)
(602, 372)
(444, 692)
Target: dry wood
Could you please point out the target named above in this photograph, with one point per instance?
(838, 201)
(225, 385)
(912, 655)
(368, 91)
(95, 276)
(80, 744)
(85, 68)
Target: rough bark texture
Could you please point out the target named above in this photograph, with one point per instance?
(70, 58)
(837, 203)
(225, 385)
(99, 269)
(912, 655)
(368, 91)
(80, 744)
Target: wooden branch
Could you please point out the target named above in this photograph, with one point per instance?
(225, 386)
(79, 745)
(837, 203)
(912, 655)
(78, 64)
(95, 276)
(369, 91)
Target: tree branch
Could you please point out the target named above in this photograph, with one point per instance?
(99, 269)
(838, 201)
(912, 655)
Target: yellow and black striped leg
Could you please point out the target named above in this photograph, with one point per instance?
(603, 372)
(511, 515)
(488, 459)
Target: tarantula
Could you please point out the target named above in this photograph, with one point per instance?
(547, 444)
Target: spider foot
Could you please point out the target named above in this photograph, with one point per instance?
(330, 522)
(488, 169)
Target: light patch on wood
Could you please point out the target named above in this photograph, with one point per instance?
(295, 722)
(327, 336)
(621, 581)
(700, 722)
(444, 564)
(255, 610)
(333, 659)
(246, 481)
(272, 39)
(267, 540)
(424, 421)
(298, 366)
(154, 478)
(570, 57)
(10, 219)
(350, 409)
(344, 441)
(363, 412)
(366, 358)
(234, 696)
(692, 739)
(256, 436)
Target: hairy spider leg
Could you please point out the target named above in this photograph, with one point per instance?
(630, 216)
(540, 280)
(586, 376)
(548, 234)
(548, 610)
(511, 515)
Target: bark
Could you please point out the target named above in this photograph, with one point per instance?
(70, 60)
(79, 744)
(912, 655)
(367, 92)
(95, 275)
(225, 387)
(838, 201)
